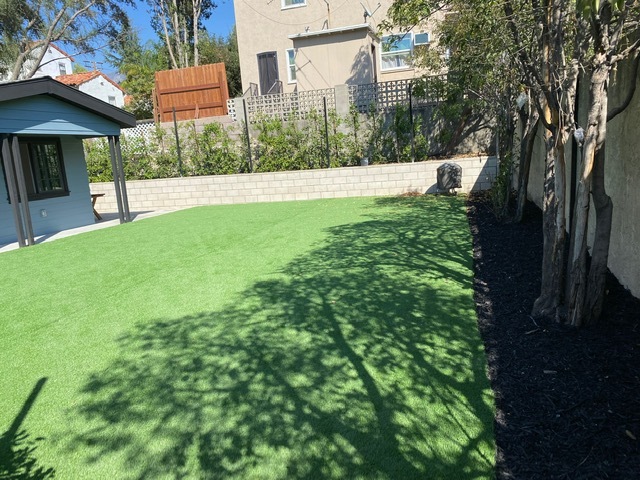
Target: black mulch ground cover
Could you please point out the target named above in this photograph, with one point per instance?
(568, 400)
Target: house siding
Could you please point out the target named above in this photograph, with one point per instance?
(43, 115)
(62, 213)
(50, 64)
(316, 65)
(266, 26)
(101, 88)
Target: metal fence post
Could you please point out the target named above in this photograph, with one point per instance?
(326, 130)
(175, 126)
(413, 132)
(246, 131)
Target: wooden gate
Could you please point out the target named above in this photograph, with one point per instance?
(194, 92)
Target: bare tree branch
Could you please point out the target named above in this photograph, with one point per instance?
(614, 112)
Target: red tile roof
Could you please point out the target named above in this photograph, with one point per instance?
(75, 79)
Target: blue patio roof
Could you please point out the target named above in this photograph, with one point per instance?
(43, 106)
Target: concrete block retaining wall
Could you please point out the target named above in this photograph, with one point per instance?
(478, 173)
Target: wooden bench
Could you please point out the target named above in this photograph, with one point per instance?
(94, 198)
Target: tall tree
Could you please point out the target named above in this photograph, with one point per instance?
(138, 63)
(552, 41)
(214, 49)
(550, 64)
(483, 74)
(178, 23)
(614, 30)
(28, 27)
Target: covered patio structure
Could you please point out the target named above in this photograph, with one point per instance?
(42, 125)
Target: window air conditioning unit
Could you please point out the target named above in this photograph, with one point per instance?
(421, 39)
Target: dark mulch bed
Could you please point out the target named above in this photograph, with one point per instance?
(568, 401)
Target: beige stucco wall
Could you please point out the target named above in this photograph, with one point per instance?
(321, 64)
(477, 174)
(622, 178)
(266, 26)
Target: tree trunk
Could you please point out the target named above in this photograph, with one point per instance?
(197, 8)
(185, 41)
(449, 148)
(596, 280)
(17, 66)
(162, 11)
(507, 156)
(554, 233)
(600, 256)
(196, 52)
(176, 26)
(38, 58)
(526, 154)
(594, 138)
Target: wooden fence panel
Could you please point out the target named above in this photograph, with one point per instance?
(194, 92)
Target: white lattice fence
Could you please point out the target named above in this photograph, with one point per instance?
(385, 96)
(143, 130)
(136, 141)
(290, 106)
(231, 108)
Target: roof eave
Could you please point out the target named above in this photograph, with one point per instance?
(332, 31)
(49, 86)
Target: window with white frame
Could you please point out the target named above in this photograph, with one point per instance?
(396, 51)
(291, 65)
(293, 3)
(112, 100)
(62, 67)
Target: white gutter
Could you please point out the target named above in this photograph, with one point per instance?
(331, 31)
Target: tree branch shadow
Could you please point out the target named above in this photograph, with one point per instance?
(360, 359)
(18, 460)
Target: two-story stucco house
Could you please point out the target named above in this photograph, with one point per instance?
(55, 62)
(96, 84)
(297, 45)
(58, 64)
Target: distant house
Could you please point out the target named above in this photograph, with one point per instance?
(55, 62)
(45, 184)
(297, 45)
(96, 84)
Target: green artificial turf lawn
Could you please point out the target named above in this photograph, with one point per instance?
(320, 339)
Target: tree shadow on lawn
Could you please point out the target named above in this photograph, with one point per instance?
(18, 460)
(360, 359)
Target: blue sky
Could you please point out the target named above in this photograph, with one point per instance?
(220, 23)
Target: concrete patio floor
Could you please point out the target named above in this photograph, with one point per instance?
(109, 219)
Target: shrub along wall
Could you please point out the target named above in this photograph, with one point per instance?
(275, 146)
(212, 150)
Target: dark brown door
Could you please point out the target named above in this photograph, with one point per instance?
(267, 70)
(374, 58)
